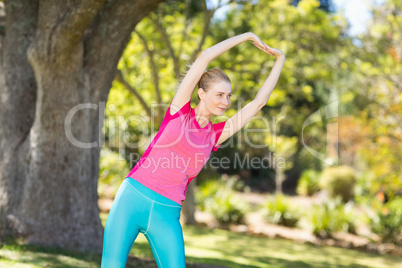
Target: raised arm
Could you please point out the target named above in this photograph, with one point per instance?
(242, 117)
(187, 86)
(265, 91)
(220, 48)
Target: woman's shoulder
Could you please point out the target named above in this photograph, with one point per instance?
(174, 111)
(219, 126)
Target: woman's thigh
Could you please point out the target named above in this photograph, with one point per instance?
(128, 215)
(165, 236)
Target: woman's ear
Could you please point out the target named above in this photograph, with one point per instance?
(201, 93)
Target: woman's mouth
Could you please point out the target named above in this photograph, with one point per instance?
(223, 109)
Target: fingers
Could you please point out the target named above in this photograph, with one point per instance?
(258, 45)
(268, 49)
(264, 47)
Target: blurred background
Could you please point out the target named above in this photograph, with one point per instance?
(344, 51)
(327, 144)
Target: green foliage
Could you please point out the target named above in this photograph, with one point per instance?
(113, 168)
(284, 147)
(376, 69)
(332, 216)
(363, 78)
(217, 197)
(339, 181)
(207, 174)
(309, 77)
(308, 183)
(387, 222)
(280, 211)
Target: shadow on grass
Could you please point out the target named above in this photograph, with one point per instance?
(12, 253)
(207, 248)
(12, 250)
(269, 262)
(251, 251)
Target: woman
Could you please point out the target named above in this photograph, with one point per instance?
(149, 199)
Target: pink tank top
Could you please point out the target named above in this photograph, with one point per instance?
(177, 154)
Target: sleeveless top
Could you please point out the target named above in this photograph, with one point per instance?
(177, 153)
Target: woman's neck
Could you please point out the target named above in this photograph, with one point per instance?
(201, 115)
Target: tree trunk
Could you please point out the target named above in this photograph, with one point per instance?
(50, 135)
(188, 209)
(17, 107)
(279, 175)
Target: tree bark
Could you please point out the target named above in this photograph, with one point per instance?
(279, 178)
(17, 106)
(188, 208)
(58, 63)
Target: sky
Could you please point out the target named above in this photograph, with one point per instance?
(358, 23)
(351, 8)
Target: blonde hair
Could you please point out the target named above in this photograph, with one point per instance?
(212, 76)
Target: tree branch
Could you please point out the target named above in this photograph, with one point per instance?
(77, 22)
(184, 33)
(63, 24)
(113, 26)
(119, 77)
(208, 14)
(154, 70)
(176, 63)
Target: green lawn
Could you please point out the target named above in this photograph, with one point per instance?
(203, 245)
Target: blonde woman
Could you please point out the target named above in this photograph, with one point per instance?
(150, 198)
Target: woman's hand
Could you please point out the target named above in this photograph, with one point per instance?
(256, 40)
(264, 47)
(273, 51)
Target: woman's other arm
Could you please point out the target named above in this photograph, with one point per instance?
(220, 48)
(187, 86)
(242, 117)
(265, 91)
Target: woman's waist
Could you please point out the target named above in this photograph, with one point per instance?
(155, 192)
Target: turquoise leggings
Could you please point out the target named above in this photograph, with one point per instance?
(135, 209)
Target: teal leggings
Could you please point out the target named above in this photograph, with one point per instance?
(135, 209)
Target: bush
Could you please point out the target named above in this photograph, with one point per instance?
(217, 197)
(330, 217)
(339, 181)
(280, 211)
(387, 223)
(111, 173)
(308, 183)
(226, 209)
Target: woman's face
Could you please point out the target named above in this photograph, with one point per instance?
(217, 98)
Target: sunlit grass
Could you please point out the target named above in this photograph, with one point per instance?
(203, 245)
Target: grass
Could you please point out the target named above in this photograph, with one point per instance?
(219, 247)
